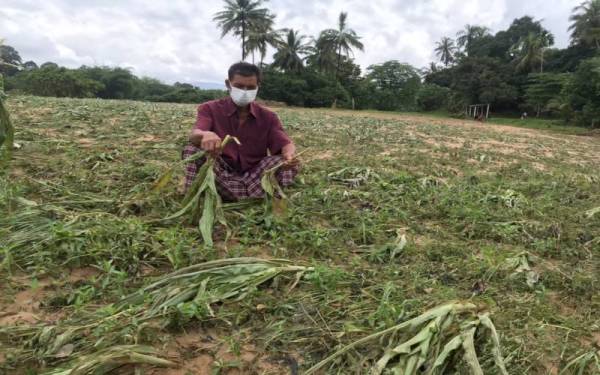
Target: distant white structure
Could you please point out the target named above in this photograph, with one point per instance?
(478, 111)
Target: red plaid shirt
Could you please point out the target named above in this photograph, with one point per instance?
(262, 131)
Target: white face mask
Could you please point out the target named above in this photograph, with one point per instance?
(242, 97)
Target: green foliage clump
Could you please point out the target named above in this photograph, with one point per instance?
(584, 93)
(431, 97)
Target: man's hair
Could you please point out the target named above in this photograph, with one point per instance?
(245, 70)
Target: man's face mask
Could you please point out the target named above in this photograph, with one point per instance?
(242, 97)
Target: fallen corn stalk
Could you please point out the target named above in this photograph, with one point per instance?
(591, 212)
(206, 283)
(431, 341)
(580, 364)
(107, 360)
(275, 198)
(191, 288)
(521, 265)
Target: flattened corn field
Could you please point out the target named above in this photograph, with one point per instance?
(392, 215)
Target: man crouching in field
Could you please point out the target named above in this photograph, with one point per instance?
(263, 142)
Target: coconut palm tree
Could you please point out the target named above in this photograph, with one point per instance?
(260, 38)
(323, 54)
(241, 16)
(342, 39)
(529, 51)
(445, 50)
(585, 24)
(465, 37)
(288, 56)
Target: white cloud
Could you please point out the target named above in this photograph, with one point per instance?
(177, 40)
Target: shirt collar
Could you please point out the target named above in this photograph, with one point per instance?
(232, 108)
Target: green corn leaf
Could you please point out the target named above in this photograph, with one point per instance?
(470, 355)
(7, 133)
(440, 362)
(498, 359)
(207, 220)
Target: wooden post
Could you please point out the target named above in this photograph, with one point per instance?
(487, 114)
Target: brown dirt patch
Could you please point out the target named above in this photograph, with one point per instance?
(200, 352)
(84, 273)
(22, 317)
(325, 155)
(24, 305)
(25, 308)
(148, 138)
(86, 142)
(562, 304)
(49, 132)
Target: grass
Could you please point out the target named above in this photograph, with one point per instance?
(553, 125)
(394, 215)
(546, 124)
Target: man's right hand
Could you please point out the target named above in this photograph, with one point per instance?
(207, 140)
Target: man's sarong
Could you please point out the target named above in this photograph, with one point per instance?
(232, 185)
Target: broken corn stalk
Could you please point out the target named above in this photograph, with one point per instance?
(429, 340)
(107, 360)
(200, 285)
(202, 201)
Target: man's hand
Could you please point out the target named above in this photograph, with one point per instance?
(288, 152)
(207, 140)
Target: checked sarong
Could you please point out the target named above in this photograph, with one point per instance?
(232, 185)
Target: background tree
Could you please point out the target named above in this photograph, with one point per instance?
(11, 59)
(544, 89)
(529, 51)
(342, 40)
(445, 50)
(465, 38)
(585, 24)
(241, 16)
(503, 42)
(30, 65)
(49, 64)
(583, 92)
(323, 54)
(260, 37)
(396, 85)
(289, 53)
(431, 97)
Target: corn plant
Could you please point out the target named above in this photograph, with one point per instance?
(434, 341)
(7, 131)
(202, 201)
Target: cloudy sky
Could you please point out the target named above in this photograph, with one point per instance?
(176, 40)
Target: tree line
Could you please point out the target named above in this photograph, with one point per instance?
(49, 79)
(515, 70)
